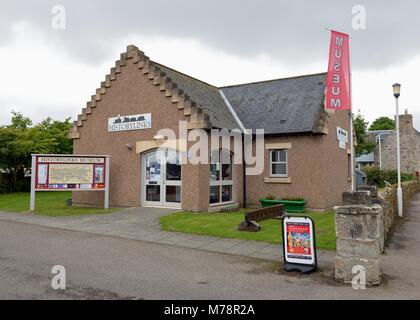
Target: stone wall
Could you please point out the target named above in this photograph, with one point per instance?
(359, 230)
(363, 222)
(388, 198)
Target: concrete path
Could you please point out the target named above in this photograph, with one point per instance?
(143, 224)
(401, 262)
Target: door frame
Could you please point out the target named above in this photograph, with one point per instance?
(163, 183)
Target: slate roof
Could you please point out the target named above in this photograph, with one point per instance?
(376, 133)
(205, 95)
(369, 157)
(282, 106)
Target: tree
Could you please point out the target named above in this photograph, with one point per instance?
(52, 136)
(363, 145)
(16, 144)
(20, 139)
(19, 121)
(382, 123)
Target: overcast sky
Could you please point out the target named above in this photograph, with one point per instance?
(53, 72)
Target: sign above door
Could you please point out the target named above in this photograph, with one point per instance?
(129, 123)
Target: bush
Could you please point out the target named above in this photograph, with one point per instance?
(23, 185)
(273, 197)
(9, 185)
(3, 186)
(293, 199)
(376, 177)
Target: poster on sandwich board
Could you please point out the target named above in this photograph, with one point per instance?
(299, 246)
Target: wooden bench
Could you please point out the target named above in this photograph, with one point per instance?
(252, 217)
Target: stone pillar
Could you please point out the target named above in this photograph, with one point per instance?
(359, 230)
(373, 190)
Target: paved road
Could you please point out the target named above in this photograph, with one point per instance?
(143, 224)
(105, 267)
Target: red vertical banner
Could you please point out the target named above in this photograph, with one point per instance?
(338, 78)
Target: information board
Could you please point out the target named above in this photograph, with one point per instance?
(299, 247)
(69, 173)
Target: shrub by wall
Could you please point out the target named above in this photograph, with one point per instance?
(376, 177)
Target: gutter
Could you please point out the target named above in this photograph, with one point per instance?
(232, 111)
(242, 128)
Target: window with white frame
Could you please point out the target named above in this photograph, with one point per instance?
(221, 177)
(278, 163)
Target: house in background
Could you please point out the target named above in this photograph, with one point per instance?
(365, 160)
(373, 158)
(385, 153)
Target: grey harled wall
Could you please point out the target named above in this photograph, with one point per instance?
(409, 145)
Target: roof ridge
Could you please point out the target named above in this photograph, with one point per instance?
(198, 119)
(272, 80)
(186, 75)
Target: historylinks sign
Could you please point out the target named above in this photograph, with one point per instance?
(128, 123)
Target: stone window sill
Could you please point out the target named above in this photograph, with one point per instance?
(277, 180)
(214, 207)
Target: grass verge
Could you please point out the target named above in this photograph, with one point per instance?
(51, 204)
(225, 225)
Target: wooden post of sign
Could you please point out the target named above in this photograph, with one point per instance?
(107, 165)
(33, 176)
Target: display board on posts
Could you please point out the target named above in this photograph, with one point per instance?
(54, 172)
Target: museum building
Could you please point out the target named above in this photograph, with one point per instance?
(306, 148)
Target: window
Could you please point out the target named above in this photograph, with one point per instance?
(221, 177)
(349, 166)
(173, 166)
(278, 163)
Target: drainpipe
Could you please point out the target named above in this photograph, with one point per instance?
(380, 151)
(244, 204)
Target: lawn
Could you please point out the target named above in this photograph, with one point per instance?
(225, 225)
(51, 204)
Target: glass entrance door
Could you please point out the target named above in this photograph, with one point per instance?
(172, 179)
(152, 179)
(162, 179)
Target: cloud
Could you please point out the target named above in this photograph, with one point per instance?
(40, 80)
(289, 31)
(54, 72)
(43, 80)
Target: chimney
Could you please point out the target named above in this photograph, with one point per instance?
(406, 121)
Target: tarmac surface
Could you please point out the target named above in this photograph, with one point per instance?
(109, 266)
(143, 224)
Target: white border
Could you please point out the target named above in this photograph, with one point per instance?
(162, 203)
(311, 228)
(278, 175)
